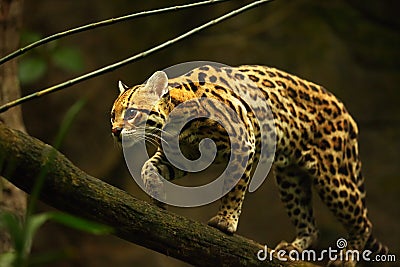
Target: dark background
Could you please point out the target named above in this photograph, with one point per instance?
(350, 47)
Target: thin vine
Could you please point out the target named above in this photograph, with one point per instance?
(99, 24)
(131, 59)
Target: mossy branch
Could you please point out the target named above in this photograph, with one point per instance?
(68, 188)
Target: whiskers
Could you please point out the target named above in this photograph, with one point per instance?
(116, 141)
(157, 134)
(151, 135)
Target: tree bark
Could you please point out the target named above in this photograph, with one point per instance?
(68, 188)
(11, 198)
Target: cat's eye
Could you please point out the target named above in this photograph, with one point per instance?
(130, 113)
(112, 116)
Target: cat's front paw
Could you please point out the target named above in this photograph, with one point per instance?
(223, 223)
(286, 246)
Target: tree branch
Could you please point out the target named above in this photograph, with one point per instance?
(68, 188)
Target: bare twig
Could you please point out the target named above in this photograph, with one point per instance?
(130, 59)
(101, 24)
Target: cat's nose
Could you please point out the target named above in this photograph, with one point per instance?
(116, 131)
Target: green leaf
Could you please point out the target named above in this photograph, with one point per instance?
(65, 126)
(7, 259)
(33, 223)
(12, 224)
(28, 37)
(68, 58)
(36, 221)
(79, 223)
(31, 69)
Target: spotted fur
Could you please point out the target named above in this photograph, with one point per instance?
(316, 144)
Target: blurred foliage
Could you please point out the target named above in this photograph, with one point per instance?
(23, 233)
(68, 58)
(34, 66)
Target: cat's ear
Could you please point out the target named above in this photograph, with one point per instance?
(122, 87)
(158, 83)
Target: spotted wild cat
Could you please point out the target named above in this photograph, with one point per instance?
(316, 144)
